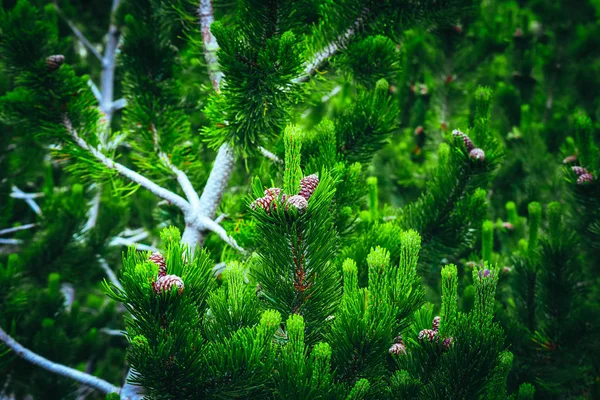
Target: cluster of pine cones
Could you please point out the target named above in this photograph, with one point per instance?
(165, 282)
(273, 196)
(432, 334)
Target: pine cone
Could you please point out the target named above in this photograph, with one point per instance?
(428, 334)
(579, 170)
(484, 273)
(477, 154)
(570, 159)
(159, 260)
(584, 178)
(447, 342)
(467, 141)
(166, 283)
(435, 325)
(397, 349)
(263, 202)
(308, 184)
(54, 62)
(272, 192)
(297, 201)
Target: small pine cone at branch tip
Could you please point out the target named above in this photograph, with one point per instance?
(263, 202)
(272, 192)
(508, 225)
(477, 154)
(54, 62)
(484, 273)
(584, 178)
(164, 284)
(579, 170)
(308, 184)
(467, 141)
(159, 260)
(428, 334)
(570, 159)
(397, 349)
(435, 324)
(297, 201)
(447, 342)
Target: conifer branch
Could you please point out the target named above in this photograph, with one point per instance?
(126, 172)
(11, 241)
(330, 49)
(130, 391)
(59, 369)
(17, 228)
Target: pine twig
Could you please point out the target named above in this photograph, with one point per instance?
(59, 369)
(205, 223)
(205, 12)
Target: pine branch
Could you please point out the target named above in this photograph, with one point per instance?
(93, 210)
(59, 369)
(128, 173)
(330, 49)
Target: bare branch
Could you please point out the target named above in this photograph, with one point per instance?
(94, 210)
(128, 173)
(109, 272)
(17, 228)
(205, 223)
(131, 391)
(11, 241)
(205, 12)
(217, 181)
(79, 35)
(29, 200)
(59, 369)
(270, 155)
(95, 90)
(112, 332)
(119, 104)
(312, 67)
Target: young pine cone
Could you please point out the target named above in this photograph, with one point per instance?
(297, 201)
(308, 184)
(428, 334)
(584, 178)
(435, 324)
(477, 154)
(579, 170)
(166, 283)
(54, 62)
(159, 260)
(397, 349)
(467, 141)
